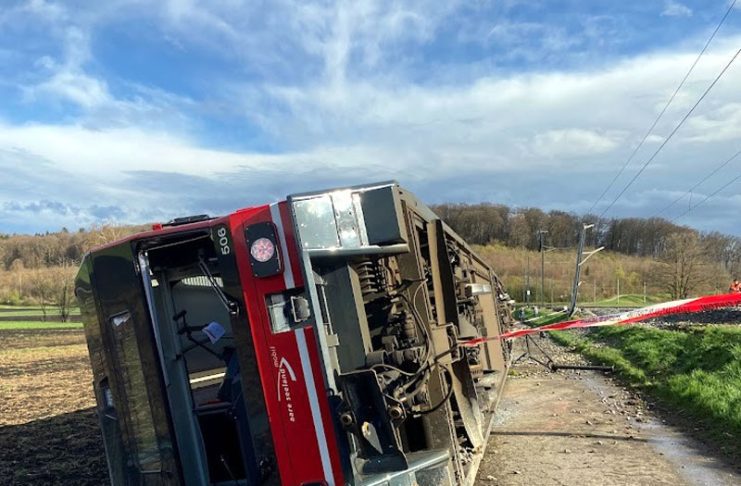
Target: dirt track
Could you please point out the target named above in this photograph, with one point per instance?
(580, 428)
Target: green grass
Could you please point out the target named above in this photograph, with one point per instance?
(546, 316)
(697, 372)
(21, 307)
(627, 300)
(31, 325)
(33, 311)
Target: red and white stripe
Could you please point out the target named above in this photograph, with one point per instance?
(686, 306)
(316, 413)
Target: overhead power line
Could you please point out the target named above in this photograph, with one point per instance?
(698, 184)
(737, 178)
(666, 106)
(669, 137)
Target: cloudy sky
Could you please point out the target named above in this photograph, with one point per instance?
(138, 111)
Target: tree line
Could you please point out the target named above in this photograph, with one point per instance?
(35, 269)
(53, 249)
(39, 269)
(644, 237)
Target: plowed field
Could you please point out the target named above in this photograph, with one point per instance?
(48, 429)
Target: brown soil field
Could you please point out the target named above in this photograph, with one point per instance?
(48, 428)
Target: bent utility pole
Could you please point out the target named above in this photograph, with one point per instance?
(541, 246)
(579, 262)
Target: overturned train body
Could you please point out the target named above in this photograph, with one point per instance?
(308, 342)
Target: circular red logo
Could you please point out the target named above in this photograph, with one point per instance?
(262, 250)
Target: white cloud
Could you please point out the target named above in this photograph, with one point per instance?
(653, 138)
(272, 40)
(38, 10)
(494, 116)
(676, 9)
(573, 142)
(83, 90)
(65, 79)
(103, 154)
(358, 111)
(531, 40)
(723, 123)
(491, 125)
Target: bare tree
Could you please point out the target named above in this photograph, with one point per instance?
(43, 289)
(64, 297)
(682, 269)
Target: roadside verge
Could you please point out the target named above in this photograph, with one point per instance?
(695, 373)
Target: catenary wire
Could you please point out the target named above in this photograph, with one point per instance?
(666, 106)
(669, 137)
(698, 184)
(724, 186)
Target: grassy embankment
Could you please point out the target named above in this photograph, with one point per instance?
(695, 373)
(628, 300)
(17, 318)
(20, 311)
(37, 325)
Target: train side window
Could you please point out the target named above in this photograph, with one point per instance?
(131, 376)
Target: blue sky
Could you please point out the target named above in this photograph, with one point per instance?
(129, 111)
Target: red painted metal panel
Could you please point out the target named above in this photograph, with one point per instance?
(325, 410)
(289, 403)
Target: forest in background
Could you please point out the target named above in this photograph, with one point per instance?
(518, 228)
(39, 269)
(651, 256)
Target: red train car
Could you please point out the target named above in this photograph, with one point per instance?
(308, 342)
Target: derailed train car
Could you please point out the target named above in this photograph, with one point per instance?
(307, 342)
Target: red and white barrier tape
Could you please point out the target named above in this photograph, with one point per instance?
(685, 306)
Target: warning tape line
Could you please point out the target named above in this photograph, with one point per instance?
(686, 306)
